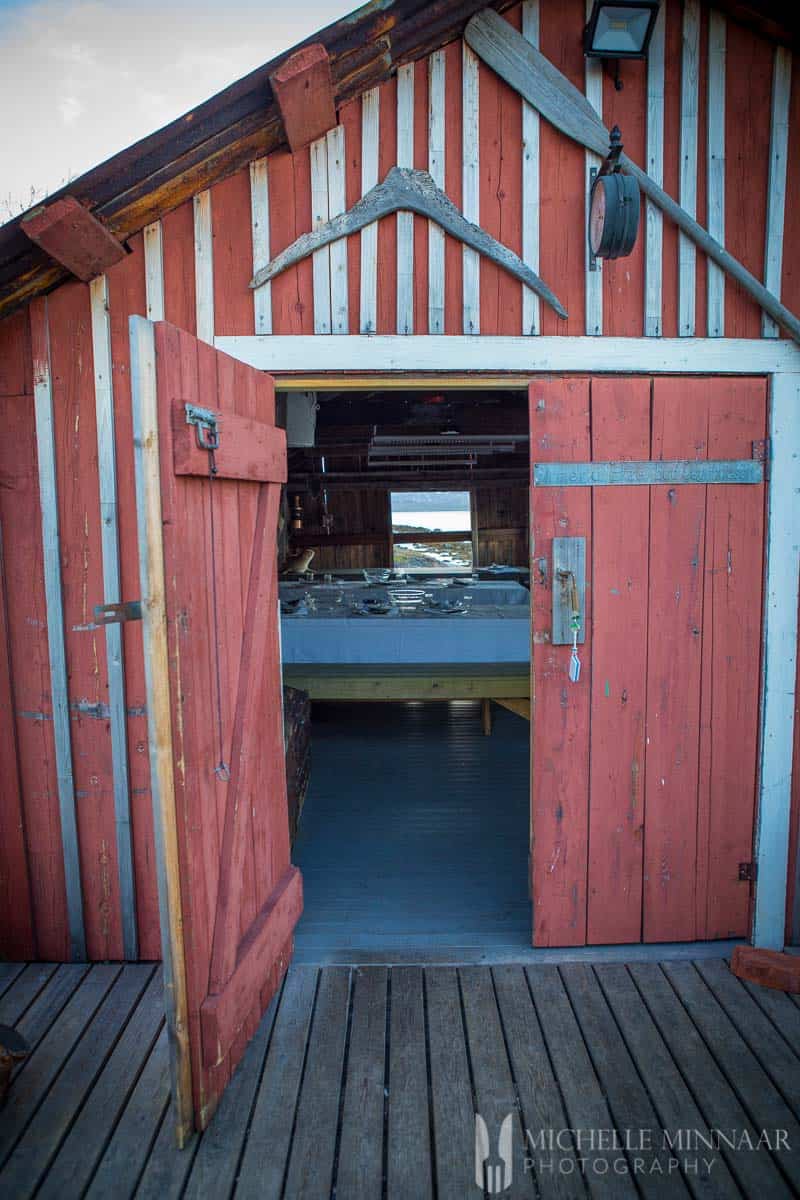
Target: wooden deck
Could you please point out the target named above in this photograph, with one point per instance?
(364, 1082)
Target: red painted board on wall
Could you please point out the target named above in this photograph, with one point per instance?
(560, 711)
(620, 536)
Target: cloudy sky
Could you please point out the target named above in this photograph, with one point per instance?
(82, 79)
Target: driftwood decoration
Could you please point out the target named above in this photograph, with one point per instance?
(406, 190)
(526, 70)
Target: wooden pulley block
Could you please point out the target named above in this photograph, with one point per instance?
(614, 215)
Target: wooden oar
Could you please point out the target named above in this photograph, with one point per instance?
(544, 87)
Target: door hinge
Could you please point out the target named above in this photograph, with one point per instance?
(112, 614)
(747, 872)
(205, 422)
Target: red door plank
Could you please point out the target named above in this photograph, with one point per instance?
(677, 533)
(732, 645)
(620, 534)
(559, 422)
(250, 450)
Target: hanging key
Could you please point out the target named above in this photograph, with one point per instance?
(574, 661)
(568, 580)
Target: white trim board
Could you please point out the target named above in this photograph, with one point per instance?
(387, 353)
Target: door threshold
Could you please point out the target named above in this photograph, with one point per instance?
(310, 952)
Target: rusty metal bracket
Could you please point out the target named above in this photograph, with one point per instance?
(205, 422)
(113, 614)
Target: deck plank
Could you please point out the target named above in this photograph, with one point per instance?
(24, 991)
(217, 1160)
(311, 1158)
(35, 1150)
(756, 1174)
(82, 1149)
(167, 1167)
(408, 1150)
(631, 1108)
(451, 1087)
(784, 1015)
(771, 1049)
(125, 1156)
(263, 1165)
(31, 1084)
(8, 973)
(758, 1095)
(672, 1098)
(48, 1004)
(360, 1167)
(495, 1093)
(583, 1098)
(537, 1086)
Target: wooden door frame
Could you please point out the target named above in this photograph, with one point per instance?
(356, 362)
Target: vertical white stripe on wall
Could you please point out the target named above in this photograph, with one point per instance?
(259, 218)
(436, 135)
(687, 255)
(594, 279)
(321, 259)
(337, 203)
(204, 267)
(370, 137)
(654, 219)
(112, 594)
(470, 186)
(716, 167)
(776, 196)
(530, 181)
(405, 221)
(154, 271)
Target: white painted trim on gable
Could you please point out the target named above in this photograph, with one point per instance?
(687, 252)
(776, 190)
(530, 181)
(204, 267)
(337, 203)
(154, 272)
(593, 86)
(436, 137)
(654, 218)
(321, 259)
(259, 220)
(715, 288)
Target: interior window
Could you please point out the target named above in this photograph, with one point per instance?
(432, 529)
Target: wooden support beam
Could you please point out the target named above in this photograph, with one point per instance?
(71, 235)
(303, 91)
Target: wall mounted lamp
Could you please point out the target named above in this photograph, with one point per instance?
(620, 29)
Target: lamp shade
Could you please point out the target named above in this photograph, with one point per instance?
(621, 29)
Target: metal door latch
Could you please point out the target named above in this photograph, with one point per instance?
(113, 614)
(205, 422)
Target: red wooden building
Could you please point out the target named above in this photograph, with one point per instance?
(660, 783)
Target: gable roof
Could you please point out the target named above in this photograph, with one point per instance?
(242, 123)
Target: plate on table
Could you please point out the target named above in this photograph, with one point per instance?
(375, 608)
(445, 608)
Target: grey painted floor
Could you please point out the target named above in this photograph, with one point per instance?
(414, 835)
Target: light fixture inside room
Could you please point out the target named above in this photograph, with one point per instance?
(620, 29)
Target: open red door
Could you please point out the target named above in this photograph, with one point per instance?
(209, 465)
(644, 769)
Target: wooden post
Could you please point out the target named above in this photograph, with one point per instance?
(71, 235)
(304, 93)
(779, 666)
(159, 720)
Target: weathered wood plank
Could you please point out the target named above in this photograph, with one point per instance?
(310, 1169)
(321, 257)
(671, 1097)
(648, 474)
(760, 1098)
(721, 1109)
(268, 1143)
(126, 1154)
(51, 551)
(259, 220)
(166, 1168)
(27, 1164)
(583, 1099)
(248, 449)
(9, 971)
(631, 1108)
(340, 320)
(654, 220)
(470, 186)
(154, 271)
(410, 191)
(408, 1151)
(690, 79)
(303, 90)
(370, 135)
(530, 181)
(74, 237)
(28, 981)
(771, 1049)
(46, 1007)
(776, 187)
(593, 276)
(405, 220)
(451, 1086)
(784, 1015)
(81, 1151)
(437, 111)
(537, 1087)
(204, 266)
(360, 1156)
(717, 29)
